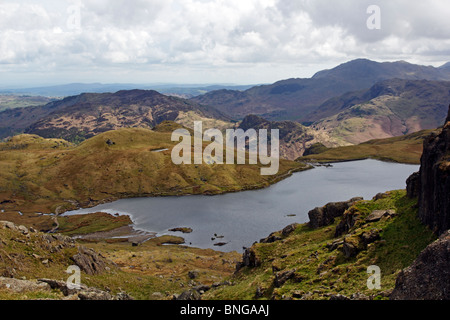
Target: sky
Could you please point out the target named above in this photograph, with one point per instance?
(211, 41)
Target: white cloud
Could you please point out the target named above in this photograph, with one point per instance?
(212, 40)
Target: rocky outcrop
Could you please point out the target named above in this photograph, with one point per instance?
(432, 183)
(428, 277)
(413, 185)
(249, 259)
(190, 295)
(42, 285)
(83, 292)
(90, 261)
(21, 286)
(276, 236)
(324, 216)
(52, 251)
(282, 277)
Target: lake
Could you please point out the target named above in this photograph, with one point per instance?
(245, 217)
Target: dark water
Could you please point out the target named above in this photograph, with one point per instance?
(245, 217)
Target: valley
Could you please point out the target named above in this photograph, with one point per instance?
(94, 149)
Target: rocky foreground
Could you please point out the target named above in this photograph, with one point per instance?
(48, 251)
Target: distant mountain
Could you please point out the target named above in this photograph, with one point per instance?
(65, 90)
(389, 108)
(294, 137)
(445, 66)
(88, 114)
(296, 99)
(20, 101)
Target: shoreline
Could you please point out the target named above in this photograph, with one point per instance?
(94, 203)
(133, 235)
(127, 233)
(331, 161)
(286, 175)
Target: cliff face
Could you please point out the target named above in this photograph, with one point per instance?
(427, 278)
(432, 184)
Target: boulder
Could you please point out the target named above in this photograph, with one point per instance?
(21, 286)
(271, 238)
(413, 185)
(349, 250)
(8, 225)
(62, 286)
(370, 237)
(83, 292)
(377, 215)
(339, 297)
(95, 295)
(193, 274)
(324, 216)
(190, 295)
(352, 246)
(90, 261)
(348, 221)
(249, 259)
(289, 229)
(428, 278)
(380, 196)
(282, 277)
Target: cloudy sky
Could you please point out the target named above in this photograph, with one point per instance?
(210, 41)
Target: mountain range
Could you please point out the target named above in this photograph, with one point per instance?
(355, 102)
(88, 114)
(297, 99)
(390, 108)
(71, 89)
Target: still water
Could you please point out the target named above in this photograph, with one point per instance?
(245, 217)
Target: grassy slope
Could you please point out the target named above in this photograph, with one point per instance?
(403, 149)
(324, 271)
(38, 175)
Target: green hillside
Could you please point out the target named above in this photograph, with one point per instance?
(315, 264)
(38, 175)
(403, 149)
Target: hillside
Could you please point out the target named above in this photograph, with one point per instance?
(403, 149)
(388, 109)
(295, 99)
(78, 117)
(329, 262)
(45, 176)
(294, 137)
